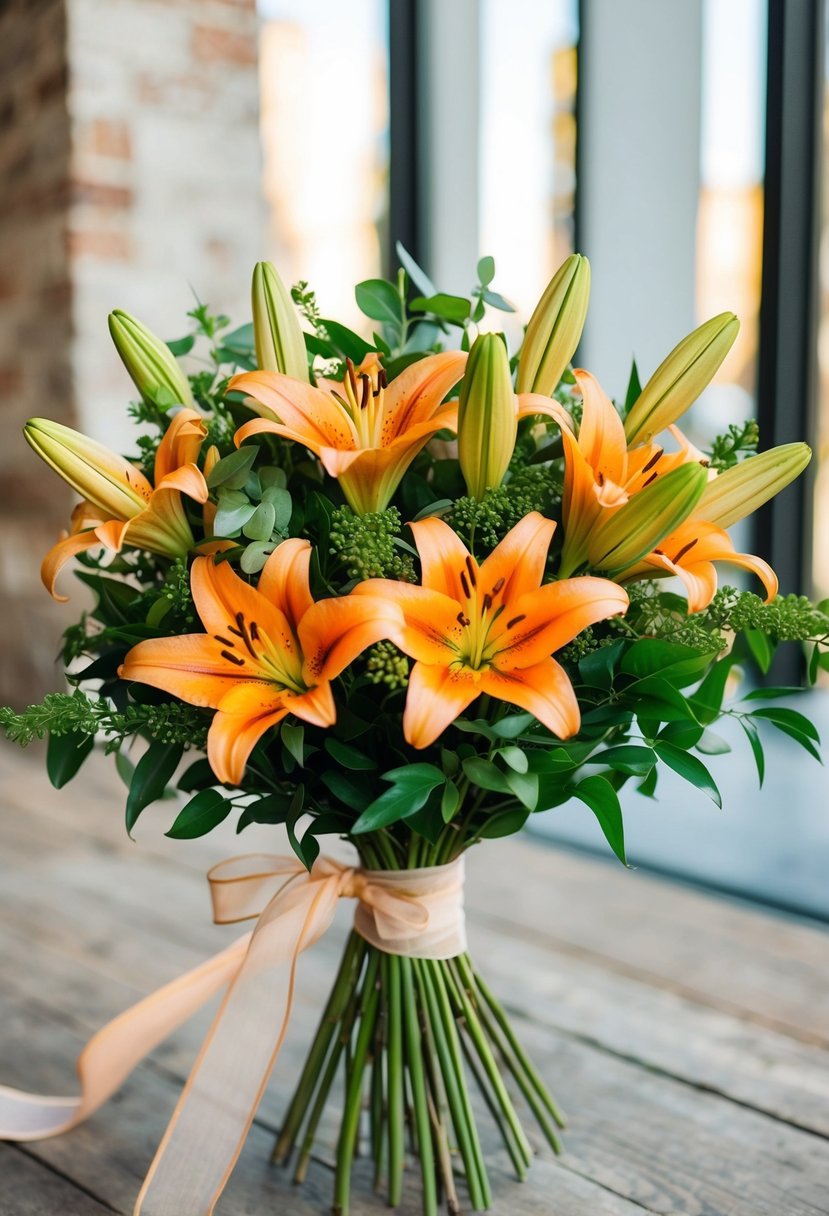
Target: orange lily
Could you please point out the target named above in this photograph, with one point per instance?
(689, 553)
(365, 432)
(120, 505)
(268, 651)
(600, 472)
(490, 628)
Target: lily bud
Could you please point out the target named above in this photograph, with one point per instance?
(555, 328)
(280, 346)
(679, 379)
(93, 471)
(624, 537)
(149, 361)
(745, 487)
(487, 415)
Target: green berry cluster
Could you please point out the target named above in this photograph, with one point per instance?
(488, 521)
(386, 665)
(366, 544)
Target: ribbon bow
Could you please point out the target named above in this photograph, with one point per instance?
(418, 913)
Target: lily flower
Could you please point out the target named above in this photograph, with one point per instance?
(267, 652)
(365, 431)
(121, 507)
(601, 473)
(490, 628)
(690, 551)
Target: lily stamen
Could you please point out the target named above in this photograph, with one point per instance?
(685, 549)
(657, 456)
(470, 566)
(465, 585)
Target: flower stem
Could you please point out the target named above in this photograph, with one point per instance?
(350, 1125)
(396, 1109)
(414, 1062)
(344, 985)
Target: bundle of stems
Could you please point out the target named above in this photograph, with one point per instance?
(409, 1034)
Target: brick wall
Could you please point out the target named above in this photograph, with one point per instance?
(35, 324)
(129, 171)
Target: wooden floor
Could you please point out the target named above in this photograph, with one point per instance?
(685, 1036)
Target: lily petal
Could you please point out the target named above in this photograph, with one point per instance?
(520, 557)
(284, 579)
(436, 696)
(233, 736)
(315, 706)
(300, 407)
(61, 553)
(552, 616)
(180, 444)
(334, 631)
(188, 479)
(443, 556)
(414, 395)
(191, 666)
(543, 690)
(429, 628)
(221, 598)
(601, 433)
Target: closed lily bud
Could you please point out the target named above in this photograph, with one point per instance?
(487, 415)
(745, 487)
(149, 361)
(97, 474)
(280, 346)
(555, 328)
(679, 379)
(623, 537)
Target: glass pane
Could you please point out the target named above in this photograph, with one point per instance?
(820, 550)
(528, 141)
(324, 123)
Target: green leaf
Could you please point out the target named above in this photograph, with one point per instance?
(682, 734)
(707, 699)
(410, 790)
(688, 767)
(596, 670)
(525, 788)
(450, 801)
(202, 813)
(260, 525)
(346, 342)
(597, 793)
(125, 768)
(753, 736)
(416, 273)
(273, 808)
(486, 270)
(512, 726)
(627, 758)
(781, 716)
(711, 744)
(181, 346)
(495, 300)
(152, 772)
(65, 754)
(241, 340)
(647, 788)
(772, 694)
(307, 849)
(380, 300)
(232, 471)
(515, 758)
(655, 657)
(634, 389)
(293, 740)
(657, 698)
(344, 788)
(195, 777)
(504, 823)
(349, 757)
(486, 775)
(793, 724)
(450, 308)
(282, 503)
(255, 555)
(232, 515)
(761, 648)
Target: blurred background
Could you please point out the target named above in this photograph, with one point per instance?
(152, 150)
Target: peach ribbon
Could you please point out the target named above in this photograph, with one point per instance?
(417, 913)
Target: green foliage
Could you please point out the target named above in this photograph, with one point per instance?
(386, 665)
(368, 545)
(737, 443)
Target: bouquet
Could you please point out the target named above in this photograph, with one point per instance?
(407, 590)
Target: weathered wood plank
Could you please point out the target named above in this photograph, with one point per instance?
(29, 1188)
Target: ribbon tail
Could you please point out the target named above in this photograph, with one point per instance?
(214, 1113)
(113, 1052)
